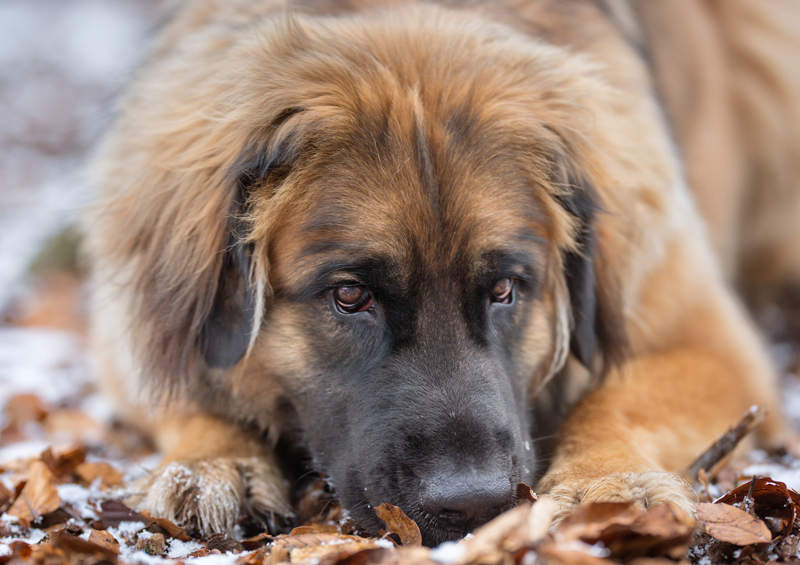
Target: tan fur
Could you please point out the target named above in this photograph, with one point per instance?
(554, 79)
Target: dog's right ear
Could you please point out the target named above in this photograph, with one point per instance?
(235, 316)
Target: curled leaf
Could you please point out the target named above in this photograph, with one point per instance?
(398, 523)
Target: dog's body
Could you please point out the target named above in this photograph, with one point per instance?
(413, 240)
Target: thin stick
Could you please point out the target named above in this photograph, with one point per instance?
(727, 442)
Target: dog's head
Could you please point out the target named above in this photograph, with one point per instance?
(400, 252)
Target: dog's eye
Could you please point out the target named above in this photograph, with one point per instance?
(502, 291)
(351, 299)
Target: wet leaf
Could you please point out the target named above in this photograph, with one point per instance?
(398, 523)
(730, 524)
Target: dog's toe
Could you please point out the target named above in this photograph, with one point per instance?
(645, 489)
(211, 495)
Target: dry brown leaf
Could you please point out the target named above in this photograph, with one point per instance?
(572, 553)
(588, 521)
(315, 529)
(506, 532)
(398, 523)
(257, 542)
(525, 493)
(64, 461)
(21, 408)
(108, 475)
(293, 549)
(113, 512)
(61, 539)
(169, 527)
(730, 524)
(154, 544)
(5, 497)
(38, 497)
(74, 425)
(104, 539)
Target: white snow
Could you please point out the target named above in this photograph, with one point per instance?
(178, 548)
(49, 363)
(449, 552)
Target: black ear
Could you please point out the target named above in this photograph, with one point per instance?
(580, 274)
(228, 328)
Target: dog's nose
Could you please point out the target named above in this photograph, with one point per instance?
(466, 502)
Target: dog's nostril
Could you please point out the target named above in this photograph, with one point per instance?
(466, 501)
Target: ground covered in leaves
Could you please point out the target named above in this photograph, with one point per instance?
(67, 468)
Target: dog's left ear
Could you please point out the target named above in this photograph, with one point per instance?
(598, 325)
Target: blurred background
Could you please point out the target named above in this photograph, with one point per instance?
(62, 67)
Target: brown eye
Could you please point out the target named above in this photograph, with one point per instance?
(352, 299)
(502, 291)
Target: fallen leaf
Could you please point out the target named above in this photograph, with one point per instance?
(772, 501)
(398, 523)
(153, 544)
(588, 521)
(74, 425)
(5, 497)
(223, 543)
(38, 497)
(112, 512)
(21, 408)
(104, 539)
(63, 462)
(525, 493)
(169, 528)
(730, 524)
(292, 549)
(315, 529)
(108, 475)
(257, 542)
(72, 544)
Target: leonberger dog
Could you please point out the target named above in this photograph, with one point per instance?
(435, 250)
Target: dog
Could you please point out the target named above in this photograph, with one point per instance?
(434, 251)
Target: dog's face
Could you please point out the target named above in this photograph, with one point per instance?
(414, 307)
(408, 258)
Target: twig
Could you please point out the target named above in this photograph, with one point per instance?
(727, 442)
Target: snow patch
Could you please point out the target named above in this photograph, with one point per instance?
(449, 552)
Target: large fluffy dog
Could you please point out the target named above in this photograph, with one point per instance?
(434, 251)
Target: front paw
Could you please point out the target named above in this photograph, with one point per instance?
(646, 489)
(210, 495)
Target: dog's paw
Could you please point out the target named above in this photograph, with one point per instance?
(210, 495)
(644, 489)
